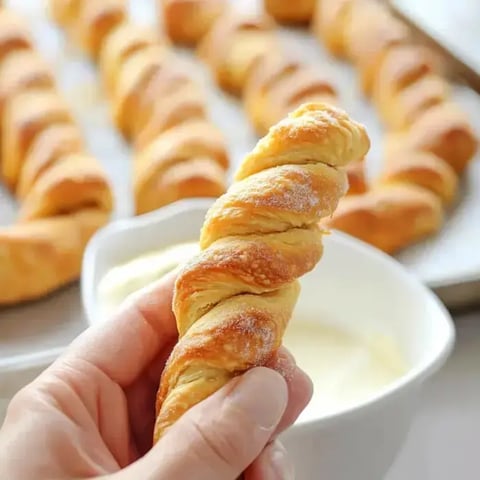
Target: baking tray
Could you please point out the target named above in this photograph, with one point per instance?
(36, 333)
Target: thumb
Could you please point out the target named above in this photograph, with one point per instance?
(220, 437)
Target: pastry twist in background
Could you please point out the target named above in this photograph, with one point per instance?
(290, 12)
(63, 193)
(245, 58)
(187, 21)
(430, 141)
(234, 300)
(158, 107)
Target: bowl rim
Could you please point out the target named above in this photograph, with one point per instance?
(432, 362)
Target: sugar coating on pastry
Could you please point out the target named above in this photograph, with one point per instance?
(234, 300)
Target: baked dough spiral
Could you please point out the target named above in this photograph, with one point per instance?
(186, 22)
(288, 12)
(64, 194)
(429, 142)
(160, 109)
(234, 300)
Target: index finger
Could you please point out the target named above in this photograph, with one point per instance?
(123, 346)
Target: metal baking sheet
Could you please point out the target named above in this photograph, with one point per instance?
(35, 333)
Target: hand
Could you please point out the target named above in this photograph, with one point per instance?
(91, 415)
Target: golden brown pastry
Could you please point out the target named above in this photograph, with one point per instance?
(286, 11)
(389, 217)
(21, 70)
(123, 41)
(160, 100)
(357, 180)
(26, 115)
(73, 183)
(233, 45)
(158, 107)
(65, 12)
(62, 204)
(37, 258)
(186, 22)
(96, 19)
(230, 316)
(443, 130)
(371, 32)
(189, 160)
(13, 34)
(330, 22)
(277, 85)
(52, 145)
(183, 105)
(401, 67)
(136, 72)
(423, 169)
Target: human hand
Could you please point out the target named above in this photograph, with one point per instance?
(91, 415)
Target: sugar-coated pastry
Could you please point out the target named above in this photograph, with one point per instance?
(26, 115)
(136, 72)
(390, 217)
(158, 180)
(186, 22)
(286, 11)
(51, 145)
(38, 257)
(21, 70)
(122, 41)
(423, 169)
(234, 44)
(73, 183)
(443, 130)
(277, 85)
(95, 21)
(233, 301)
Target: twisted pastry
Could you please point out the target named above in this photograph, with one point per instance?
(123, 41)
(276, 86)
(64, 194)
(186, 22)
(234, 44)
(286, 11)
(22, 70)
(234, 300)
(37, 258)
(160, 109)
(433, 143)
(190, 157)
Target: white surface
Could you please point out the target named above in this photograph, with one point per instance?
(355, 288)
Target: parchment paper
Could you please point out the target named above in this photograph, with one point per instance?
(35, 332)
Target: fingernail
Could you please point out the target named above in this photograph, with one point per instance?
(261, 394)
(280, 465)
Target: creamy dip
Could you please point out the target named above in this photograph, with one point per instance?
(345, 368)
(123, 280)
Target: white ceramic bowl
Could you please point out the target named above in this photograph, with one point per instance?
(354, 286)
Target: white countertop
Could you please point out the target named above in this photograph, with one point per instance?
(444, 439)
